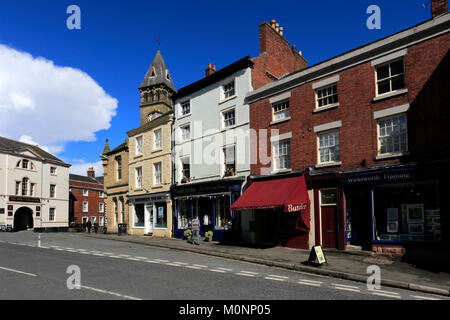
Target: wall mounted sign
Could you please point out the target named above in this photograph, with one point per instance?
(24, 199)
(379, 176)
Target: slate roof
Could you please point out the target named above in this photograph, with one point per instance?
(17, 146)
(160, 74)
(76, 177)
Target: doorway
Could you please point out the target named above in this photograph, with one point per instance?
(328, 226)
(23, 219)
(149, 219)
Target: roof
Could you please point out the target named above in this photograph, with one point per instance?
(76, 177)
(164, 118)
(120, 147)
(214, 77)
(17, 146)
(157, 74)
(361, 54)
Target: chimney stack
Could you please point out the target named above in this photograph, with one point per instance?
(438, 7)
(91, 172)
(210, 70)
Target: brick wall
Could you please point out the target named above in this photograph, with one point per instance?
(427, 119)
(93, 200)
(276, 57)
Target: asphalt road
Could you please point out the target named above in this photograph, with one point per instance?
(34, 266)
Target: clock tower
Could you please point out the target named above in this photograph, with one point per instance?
(156, 90)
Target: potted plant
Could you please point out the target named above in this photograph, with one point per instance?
(187, 234)
(208, 236)
(185, 180)
(229, 172)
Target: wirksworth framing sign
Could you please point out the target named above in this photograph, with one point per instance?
(380, 176)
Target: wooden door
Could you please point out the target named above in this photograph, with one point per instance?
(328, 226)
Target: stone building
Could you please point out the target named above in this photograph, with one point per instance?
(34, 188)
(149, 164)
(115, 172)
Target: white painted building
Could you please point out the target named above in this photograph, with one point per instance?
(211, 151)
(34, 188)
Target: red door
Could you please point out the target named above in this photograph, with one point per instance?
(328, 226)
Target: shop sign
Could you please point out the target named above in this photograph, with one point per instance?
(294, 208)
(316, 256)
(24, 199)
(378, 177)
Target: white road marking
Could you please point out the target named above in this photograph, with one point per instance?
(141, 257)
(226, 269)
(152, 261)
(124, 255)
(192, 267)
(275, 276)
(345, 286)
(17, 271)
(424, 298)
(278, 279)
(134, 259)
(244, 274)
(309, 283)
(346, 289)
(110, 293)
(173, 264)
(217, 270)
(162, 260)
(200, 265)
(183, 263)
(386, 295)
(99, 254)
(249, 272)
(117, 257)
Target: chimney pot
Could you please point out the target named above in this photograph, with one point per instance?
(91, 172)
(272, 23)
(210, 70)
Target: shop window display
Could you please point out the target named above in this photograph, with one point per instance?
(161, 215)
(407, 212)
(223, 213)
(184, 214)
(139, 215)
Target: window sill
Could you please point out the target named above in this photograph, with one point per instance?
(328, 164)
(138, 156)
(157, 186)
(331, 106)
(279, 121)
(281, 171)
(184, 116)
(227, 99)
(228, 128)
(157, 150)
(389, 95)
(392, 155)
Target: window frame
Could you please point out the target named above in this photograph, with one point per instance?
(155, 146)
(224, 120)
(330, 105)
(279, 103)
(275, 150)
(55, 171)
(319, 133)
(51, 214)
(225, 92)
(183, 127)
(182, 104)
(101, 207)
(118, 162)
(395, 153)
(138, 177)
(390, 77)
(139, 144)
(155, 172)
(85, 206)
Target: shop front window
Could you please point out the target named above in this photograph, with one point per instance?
(161, 215)
(223, 213)
(139, 215)
(184, 214)
(407, 212)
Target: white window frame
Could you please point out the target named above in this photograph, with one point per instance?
(328, 132)
(85, 192)
(224, 158)
(54, 191)
(101, 207)
(182, 105)
(93, 219)
(18, 187)
(85, 206)
(157, 145)
(139, 143)
(226, 111)
(182, 167)
(155, 172)
(138, 177)
(101, 194)
(286, 112)
(325, 88)
(184, 137)
(225, 91)
(394, 153)
(101, 221)
(275, 154)
(118, 163)
(32, 189)
(390, 77)
(54, 173)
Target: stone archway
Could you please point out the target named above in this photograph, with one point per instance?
(23, 219)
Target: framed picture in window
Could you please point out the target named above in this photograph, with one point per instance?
(415, 213)
(415, 228)
(392, 226)
(392, 214)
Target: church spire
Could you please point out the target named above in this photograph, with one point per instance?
(157, 74)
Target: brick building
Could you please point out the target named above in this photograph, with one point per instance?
(86, 199)
(368, 130)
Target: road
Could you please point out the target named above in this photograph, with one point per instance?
(34, 266)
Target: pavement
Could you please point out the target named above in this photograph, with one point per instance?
(348, 265)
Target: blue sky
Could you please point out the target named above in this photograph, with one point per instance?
(117, 43)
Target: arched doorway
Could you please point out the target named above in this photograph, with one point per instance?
(23, 219)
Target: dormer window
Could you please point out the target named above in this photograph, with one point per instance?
(153, 74)
(167, 75)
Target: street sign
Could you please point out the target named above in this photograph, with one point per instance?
(317, 257)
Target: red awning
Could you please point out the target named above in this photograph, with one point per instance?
(290, 194)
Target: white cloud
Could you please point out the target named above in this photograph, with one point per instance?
(82, 168)
(50, 104)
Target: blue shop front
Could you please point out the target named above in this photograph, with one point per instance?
(210, 202)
